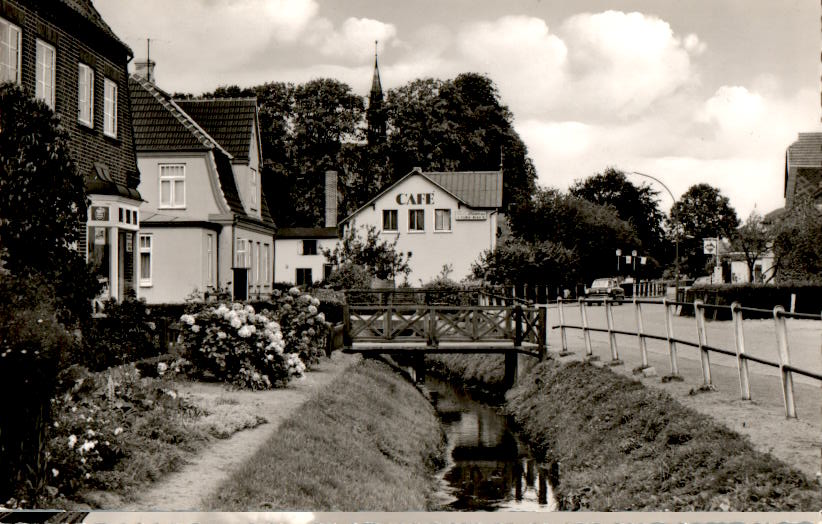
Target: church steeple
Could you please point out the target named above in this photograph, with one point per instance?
(375, 114)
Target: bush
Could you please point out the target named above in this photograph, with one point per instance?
(350, 276)
(761, 296)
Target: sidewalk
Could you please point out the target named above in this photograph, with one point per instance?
(797, 442)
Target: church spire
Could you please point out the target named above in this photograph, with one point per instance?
(376, 115)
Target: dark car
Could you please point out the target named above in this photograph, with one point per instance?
(605, 287)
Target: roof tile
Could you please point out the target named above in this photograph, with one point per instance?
(229, 120)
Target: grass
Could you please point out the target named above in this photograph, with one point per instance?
(482, 374)
(369, 442)
(622, 447)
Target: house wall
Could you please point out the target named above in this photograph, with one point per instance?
(741, 274)
(177, 259)
(289, 257)
(432, 249)
(259, 283)
(199, 193)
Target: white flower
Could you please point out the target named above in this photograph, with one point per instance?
(221, 335)
(294, 291)
(87, 446)
(56, 424)
(222, 310)
(244, 331)
(249, 309)
(312, 310)
(55, 472)
(90, 433)
(195, 328)
(269, 357)
(72, 440)
(170, 392)
(162, 367)
(315, 301)
(188, 319)
(236, 323)
(88, 475)
(118, 430)
(321, 317)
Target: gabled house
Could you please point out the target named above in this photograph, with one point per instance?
(442, 218)
(206, 225)
(64, 53)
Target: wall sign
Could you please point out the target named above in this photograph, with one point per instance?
(99, 213)
(415, 199)
(471, 215)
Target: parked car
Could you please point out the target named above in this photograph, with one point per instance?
(606, 287)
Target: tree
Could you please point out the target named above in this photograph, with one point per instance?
(516, 261)
(364, 247)
(754, 240)
(702, 212)
(637, 205)
(43, 206)
(591, 231)
(797, 243)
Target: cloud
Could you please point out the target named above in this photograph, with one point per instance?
(734, 108)
(354, 39)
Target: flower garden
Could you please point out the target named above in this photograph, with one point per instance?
(118, 429)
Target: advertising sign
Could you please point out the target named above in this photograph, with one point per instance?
(99, 213)
(471, 215)
(709, 246)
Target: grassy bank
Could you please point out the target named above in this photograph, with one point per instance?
(481, 375)
(369, 442)
(622, 446)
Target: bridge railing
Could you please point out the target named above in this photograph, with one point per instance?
(779, 315)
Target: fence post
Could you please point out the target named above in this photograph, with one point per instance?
(741, 361)
(517, 325)
(669, 334)
(784, 360)
(386, 328)
(702, 339)
(542, 331)
(432, 326)
(562, 334)
(346, 326)
(640, 335)
(583, 311)
(609, 315)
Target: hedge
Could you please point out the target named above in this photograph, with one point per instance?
(760, 296)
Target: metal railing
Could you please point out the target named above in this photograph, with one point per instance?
(783, 364)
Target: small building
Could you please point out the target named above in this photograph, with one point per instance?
(64, 53)
(206, 224)
(803, 169)
(444, 219)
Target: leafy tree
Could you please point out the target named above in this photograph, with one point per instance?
(637, 205)
(591, 231)
(43, 205)
(702, 212)
(363, 247)
(539, 262)
(754, 240)
(797, 243)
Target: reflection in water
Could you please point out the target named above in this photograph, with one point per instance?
(488, 468)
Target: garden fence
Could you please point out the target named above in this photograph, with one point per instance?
(782, 363)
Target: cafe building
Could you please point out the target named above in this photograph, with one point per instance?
(441, 218)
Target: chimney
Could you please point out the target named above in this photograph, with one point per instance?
(330, 199)
(145, 69)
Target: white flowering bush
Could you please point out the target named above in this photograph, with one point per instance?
(236, 344)
(304, 328)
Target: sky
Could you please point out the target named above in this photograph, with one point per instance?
(709, 91)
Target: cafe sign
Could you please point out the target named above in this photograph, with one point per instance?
(471, 215)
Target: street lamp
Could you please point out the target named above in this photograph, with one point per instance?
(675, 220)
(618, 254)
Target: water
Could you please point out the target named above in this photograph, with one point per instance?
(488, 468)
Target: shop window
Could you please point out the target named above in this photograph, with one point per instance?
(416, 220)
(389, 220)
(44, 87)
(110, 108)
(85, 95)
(172, 186)
(9, 52)
(442, 220)
(310, 247)
(304, 276)
(145, 260)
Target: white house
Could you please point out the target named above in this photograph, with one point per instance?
(205, 224)
(442, 218)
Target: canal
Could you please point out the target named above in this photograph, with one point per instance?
(487, 467)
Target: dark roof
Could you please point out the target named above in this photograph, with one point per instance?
(806, 151)
(477, 189)
(229, 120)
(89, 12)
(229, 187)
(307, 232)
(474, 188)
(160, 124)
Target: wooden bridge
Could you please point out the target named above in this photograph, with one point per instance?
(413, 330)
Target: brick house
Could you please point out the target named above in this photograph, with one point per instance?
(206, 224)
(63, 52)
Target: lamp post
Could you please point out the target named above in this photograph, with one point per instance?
(675, 220)
(618, 254)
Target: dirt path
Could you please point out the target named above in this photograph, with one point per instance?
(185, 489)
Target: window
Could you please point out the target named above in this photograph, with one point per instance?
(442, 220)
(145, 260)
(327, 270)
(110, 108)
(416, 220)
(210, 259)
(309, 247)
(389, 220)
(44, 88)
(266, 261)
(85, 95)
(241, 253)
(9, 52)
(172, 186)
(257, 265)
(253, 190)
(304, 276)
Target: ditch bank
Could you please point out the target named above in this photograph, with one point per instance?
(621, 446)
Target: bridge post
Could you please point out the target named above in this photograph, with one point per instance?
(609, 316)
(432, 327)
(702, 339)
(346, 326)
(512, 356)
(562, 332)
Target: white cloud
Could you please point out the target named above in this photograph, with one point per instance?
(734, 108)
(354, 39)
